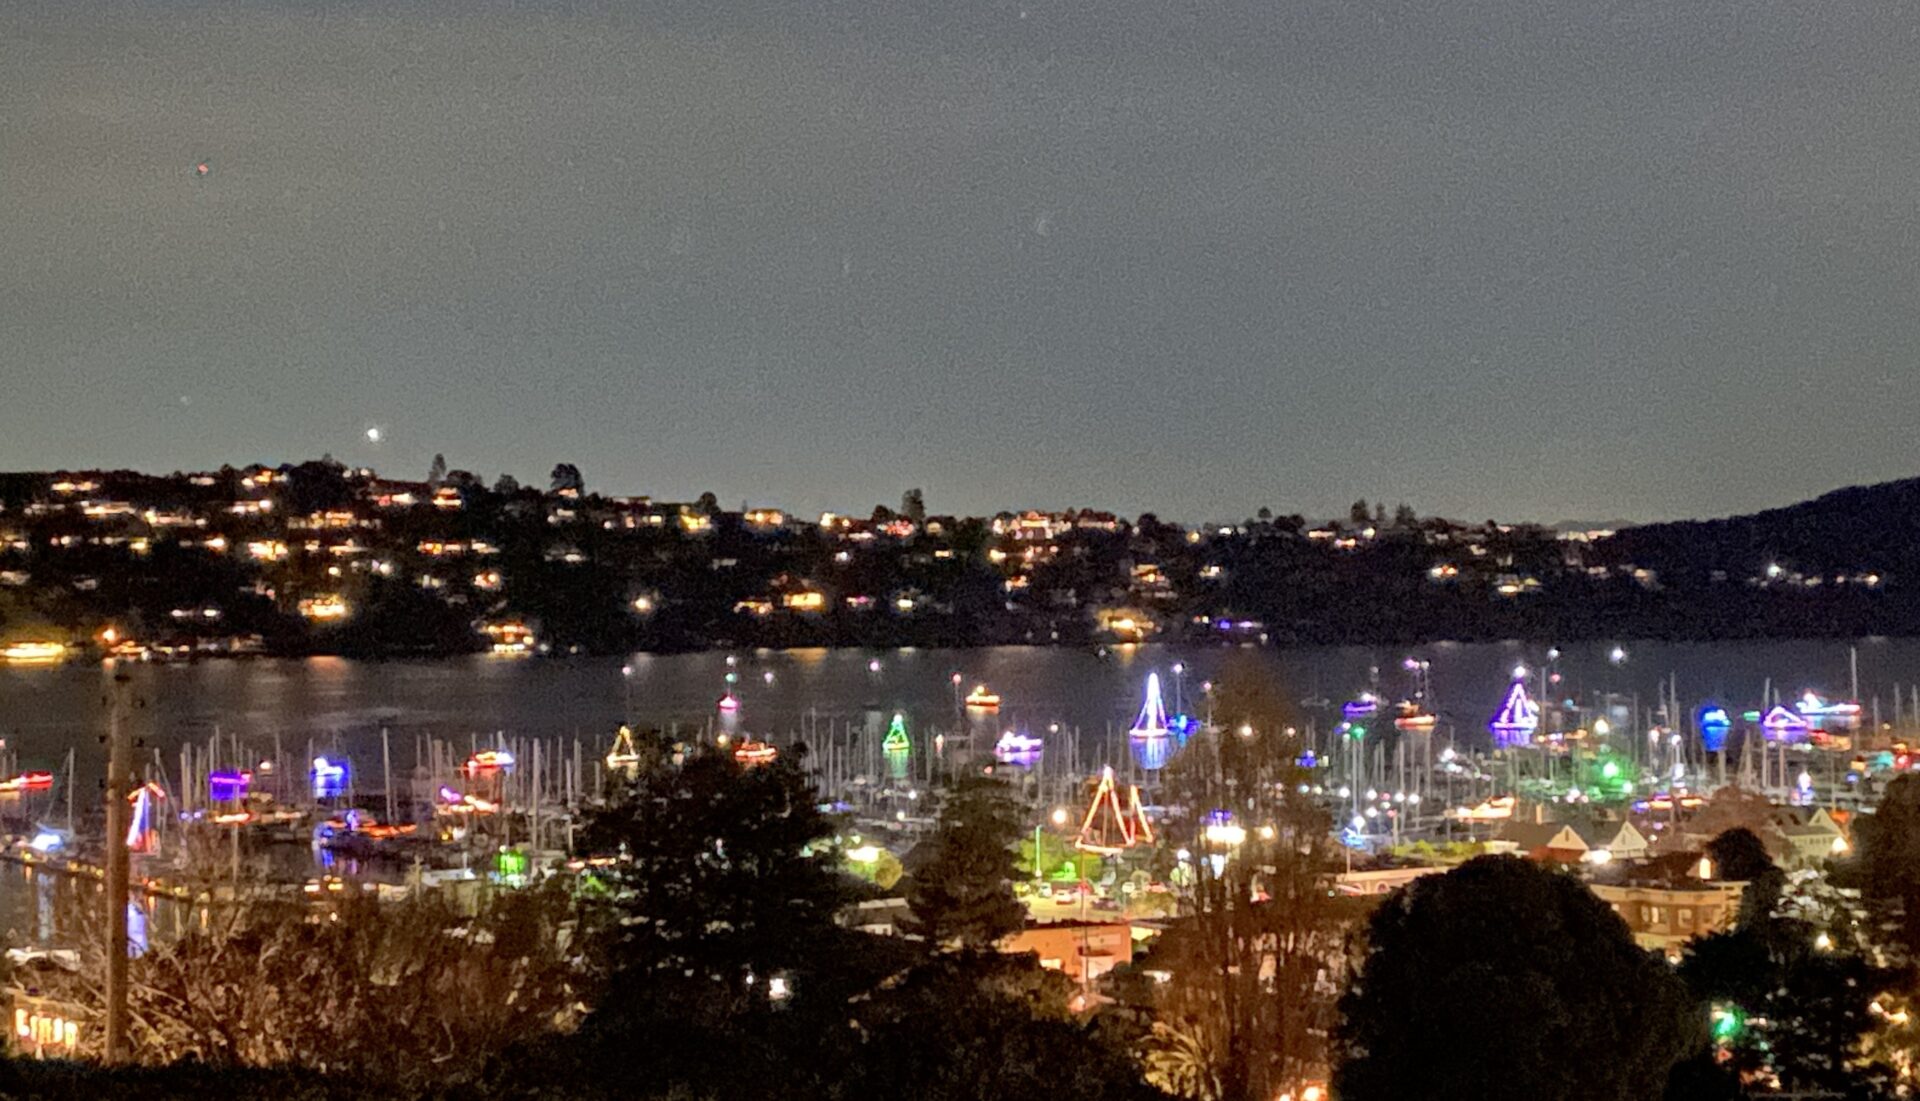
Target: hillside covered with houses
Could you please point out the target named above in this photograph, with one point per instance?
(319, 557)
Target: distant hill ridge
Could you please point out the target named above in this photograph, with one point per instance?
(1872, 527)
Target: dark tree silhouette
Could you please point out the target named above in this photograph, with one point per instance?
(984, 1027)
(566, 478)
(729, 877)
(506, 485)
(964, 894)
(1246, 1013)
(1890, 857)
(437, 471)
(316, 487)
(913, 505)
(1801, 1005)
(1505, 980)
(728, 880)
(1739, 854)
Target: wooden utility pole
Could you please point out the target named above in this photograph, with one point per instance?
(119, 787)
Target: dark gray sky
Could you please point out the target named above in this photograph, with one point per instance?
(1537, 258)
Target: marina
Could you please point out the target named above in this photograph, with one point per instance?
(440, 773)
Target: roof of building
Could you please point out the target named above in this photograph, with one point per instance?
(1531, 836)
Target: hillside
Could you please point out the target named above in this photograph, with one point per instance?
(1861, 530)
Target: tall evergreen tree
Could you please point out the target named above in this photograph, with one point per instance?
(726, 876)
(964, 894)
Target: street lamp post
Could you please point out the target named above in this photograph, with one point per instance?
(119, 788)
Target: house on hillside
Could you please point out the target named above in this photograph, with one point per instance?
(1619, 840)
(1670, 900)
(1807, 836)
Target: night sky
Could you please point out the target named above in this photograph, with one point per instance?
(1533, 259)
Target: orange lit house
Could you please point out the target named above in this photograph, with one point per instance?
(1082, 950)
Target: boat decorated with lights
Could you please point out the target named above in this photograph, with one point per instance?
(1518, 718)
(623, 757)
(898, 748)
(897, 741)
(982, 699)
(1784, 724)
(229, 785)
(1822, 715)
(26, 781)
(1413, 719)
(356, 822)
(143, 836)
(33, 653)
(330, 777)
(461, 803)
(489, 762)
(1015, 748)
(1152, 720)
(752, 753)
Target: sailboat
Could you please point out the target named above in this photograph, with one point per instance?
(49, 838)
(623, 755)
(1152, 720)
(896, 741)
(1513, 725)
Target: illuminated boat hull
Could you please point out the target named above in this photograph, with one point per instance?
(982, 700)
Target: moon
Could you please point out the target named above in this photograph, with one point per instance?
(373, 435)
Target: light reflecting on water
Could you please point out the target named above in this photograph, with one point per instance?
(41, 907)
(336, 707)
(1074, 699)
